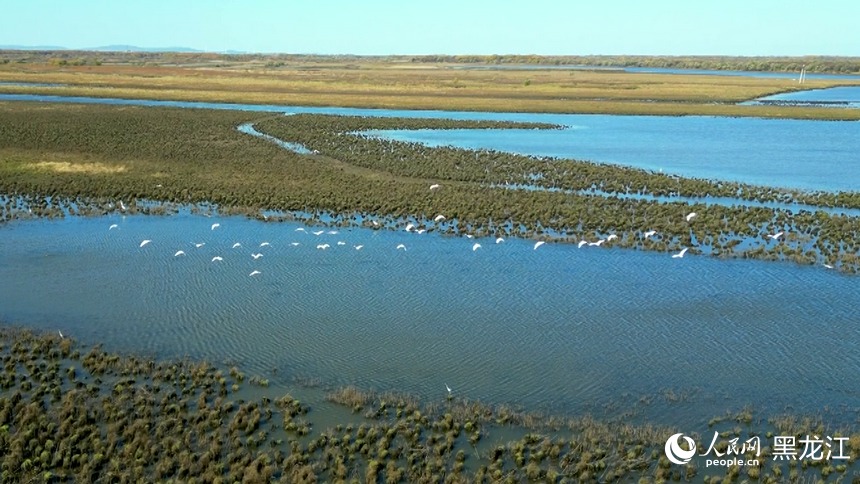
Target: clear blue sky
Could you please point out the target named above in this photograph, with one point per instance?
(549, 27)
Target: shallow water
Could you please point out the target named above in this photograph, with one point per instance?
(557, 328)
(840, 97)
(811, 155)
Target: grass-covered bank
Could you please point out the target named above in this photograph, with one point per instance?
(55, 154)
(404, 84)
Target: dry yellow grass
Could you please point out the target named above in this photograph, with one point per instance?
(401, 86)
(87, 168)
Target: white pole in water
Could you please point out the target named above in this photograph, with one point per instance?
(802, 74)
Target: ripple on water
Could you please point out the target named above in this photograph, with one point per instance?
(555, 328)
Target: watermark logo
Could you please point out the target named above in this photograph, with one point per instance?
(675, 453)
(734, 452)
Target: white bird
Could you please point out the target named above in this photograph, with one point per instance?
(828, 266)
(61, 334)
(650, 233)
(294, 244)
(538, 244)
(217, 258)
(256, 256)
(401, 246)
(254, 273)
(178, 253)
(301, 229)
(611, 237)
(476, 246)
(375, 223)
(113, 226)
(121, 205)
(323, 246)
(215, 226)
(434, 186)
(264, 244)
(469, 236)
(340, 242)
(439, 218)
(358, 247)
(237, 245)
(776, 235)
(581, 243)
(597, 244)
(448, 388)
(318, 232)
(499, 240)
(145, 242)
(410, 226)
(201, 244)
(690, 216)
(680, 254)
(420, 231)
(332, 232)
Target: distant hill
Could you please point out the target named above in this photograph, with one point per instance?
(104, 48)
(134, 48)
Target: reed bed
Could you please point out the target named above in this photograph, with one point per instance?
(92, 156)
(76, 413)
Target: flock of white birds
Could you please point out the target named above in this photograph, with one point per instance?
(411, 227)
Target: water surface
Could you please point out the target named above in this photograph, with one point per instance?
(558, 328)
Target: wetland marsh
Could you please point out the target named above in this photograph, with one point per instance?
(633, 343)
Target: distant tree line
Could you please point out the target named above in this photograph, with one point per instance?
(847, 65)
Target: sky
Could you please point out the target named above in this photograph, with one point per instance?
(414, 27)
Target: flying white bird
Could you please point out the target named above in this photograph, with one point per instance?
(776, 235)
(476, 246)
(611, 237)
(538, 244)
(256, 256)
(61, 334)
(650, 233)
(499, 240)
(121, 205)
(828, 266)
(434, 186)
(215, 226)
(254, 273)
(264, 244)
(469, 236)
(217, 258)
(201, 244)
(178, 253)
(318, 232)
(420, 231)
(410, 226)
(439, 218)
(690, 216)
(358, 247)
(237, 245)
(323, 246)
(113, 226)
(332, 232)
(340, 242)
(294, 244)
(680, 254)
(301, 229)
(581, 243)
(145, 242)
(448, 388)
(401, 246)
(597, 244)
(375, 223)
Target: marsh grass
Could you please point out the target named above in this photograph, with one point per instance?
(138, 419)
(399, 86)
